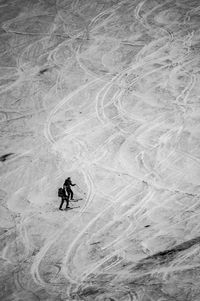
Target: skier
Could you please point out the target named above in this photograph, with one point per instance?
(64, 197)
(67, 186)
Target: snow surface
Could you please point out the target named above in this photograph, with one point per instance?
(106, 92)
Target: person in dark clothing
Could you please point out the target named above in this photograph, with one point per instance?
(64, 198)
(67, 186)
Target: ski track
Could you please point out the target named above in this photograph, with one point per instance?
(100, 148)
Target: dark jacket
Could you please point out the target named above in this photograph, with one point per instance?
(68, 183)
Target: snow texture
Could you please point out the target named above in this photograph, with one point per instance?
(106, 92)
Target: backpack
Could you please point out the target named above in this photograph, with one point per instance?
(60, 192)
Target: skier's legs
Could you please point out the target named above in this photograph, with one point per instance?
(70, 194)
(62, 201)
(67, 202)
